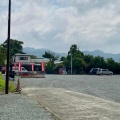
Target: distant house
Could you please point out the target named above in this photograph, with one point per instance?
(27, 62)
(26, 59)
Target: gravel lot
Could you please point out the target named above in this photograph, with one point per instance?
(68, 105)
(65, 97)
(76, 97)
(20, 107)
(106, 87)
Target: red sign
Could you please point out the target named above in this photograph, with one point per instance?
(43, 66)
(19, 65)
(32, 67)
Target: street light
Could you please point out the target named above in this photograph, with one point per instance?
(8, 49)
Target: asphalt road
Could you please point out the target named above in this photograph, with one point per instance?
(105, 87)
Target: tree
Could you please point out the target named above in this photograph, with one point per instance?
(15, 46)
(76, 56)
(75, 51)
(83, 63)
(2, 55)
(110, 64)
(63, 58)
(33, 57)
(88, 60)
(50, 67)
(78, 65)
(51, 56)
(98, 62)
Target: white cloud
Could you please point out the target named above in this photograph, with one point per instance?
(56, 24)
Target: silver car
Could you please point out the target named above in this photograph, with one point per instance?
(104, 72)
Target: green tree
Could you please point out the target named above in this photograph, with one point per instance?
(15, 46)
(83, 63)
(116, 68)
(50, 67)
(33, 57)
(98, 62)
(2, 55)
(88, 60)
(63, 58)
(111, 65)
(78, 65)
(75, 51)
(76, 56)
(51, 56)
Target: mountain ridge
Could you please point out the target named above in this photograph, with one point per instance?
(39, 52)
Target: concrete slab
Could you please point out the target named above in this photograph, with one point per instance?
(69, 105)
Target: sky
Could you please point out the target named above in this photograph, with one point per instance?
(58, 24)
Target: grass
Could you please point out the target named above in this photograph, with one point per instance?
(2, 85)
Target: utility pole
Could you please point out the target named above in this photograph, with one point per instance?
(8, 49)
(71, 63)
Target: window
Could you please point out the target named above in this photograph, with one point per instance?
(23, 58)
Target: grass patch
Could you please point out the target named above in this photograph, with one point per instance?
(2, 85)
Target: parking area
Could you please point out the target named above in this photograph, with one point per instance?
(105, 87)
(77, 97)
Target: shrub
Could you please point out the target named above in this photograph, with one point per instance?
(2, 85)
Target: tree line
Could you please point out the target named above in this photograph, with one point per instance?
(81, 64)
(16, 46)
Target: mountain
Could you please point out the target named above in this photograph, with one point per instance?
(41, 51)
(116, 57)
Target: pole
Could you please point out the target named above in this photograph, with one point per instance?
(8, 50)
(71, 63)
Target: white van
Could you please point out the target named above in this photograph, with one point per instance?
(16, 70)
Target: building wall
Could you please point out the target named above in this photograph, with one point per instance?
(22, 59)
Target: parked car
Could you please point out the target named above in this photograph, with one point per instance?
(104, 72)
(16, 70)
(93, 71)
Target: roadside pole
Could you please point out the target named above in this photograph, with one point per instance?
(71, 63)
(8, 50)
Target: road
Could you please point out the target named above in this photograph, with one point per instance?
(77, 97)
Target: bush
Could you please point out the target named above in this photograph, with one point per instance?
(2, 85)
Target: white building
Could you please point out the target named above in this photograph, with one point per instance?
(26, 59)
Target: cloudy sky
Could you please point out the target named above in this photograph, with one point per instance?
(57, 24)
